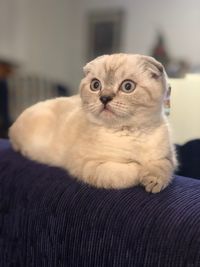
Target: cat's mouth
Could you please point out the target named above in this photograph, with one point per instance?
(107, 110)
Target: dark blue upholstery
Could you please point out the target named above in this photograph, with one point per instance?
(189, 159)
(4, 114)
(4, 143)
(49, 219)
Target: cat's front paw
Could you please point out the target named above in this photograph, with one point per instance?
(154, 184)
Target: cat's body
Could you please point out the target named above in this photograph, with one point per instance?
(114, 136)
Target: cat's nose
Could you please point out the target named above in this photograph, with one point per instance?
(105, 99)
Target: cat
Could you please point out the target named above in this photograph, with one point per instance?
(113, 134)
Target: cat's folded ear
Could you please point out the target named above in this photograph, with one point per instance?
(87, 68)
(155, 68)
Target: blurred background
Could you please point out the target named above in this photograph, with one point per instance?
(45, 43)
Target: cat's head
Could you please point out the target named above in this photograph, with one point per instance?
(123, 90)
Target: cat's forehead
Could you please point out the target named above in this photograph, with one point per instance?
(117, 63)
(115, 66)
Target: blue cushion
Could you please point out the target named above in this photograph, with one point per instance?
(189, 159)
(48, 218)
(4, 144)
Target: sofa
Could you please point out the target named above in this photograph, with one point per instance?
(50, 219)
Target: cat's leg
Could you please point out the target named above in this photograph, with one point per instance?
(156, 175)
(111, 174)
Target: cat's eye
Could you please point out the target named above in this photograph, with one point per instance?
(127, 86)
(95, 85)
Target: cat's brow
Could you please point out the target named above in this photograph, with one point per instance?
(111, 73)
(110, 77)
(111, 67)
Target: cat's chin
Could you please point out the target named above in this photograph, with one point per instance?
(107, 113)
(106, 118)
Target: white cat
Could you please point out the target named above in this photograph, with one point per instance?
(114, 135)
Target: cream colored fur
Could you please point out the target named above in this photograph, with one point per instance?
(125, 144)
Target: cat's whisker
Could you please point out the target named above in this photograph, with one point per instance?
(92, 107)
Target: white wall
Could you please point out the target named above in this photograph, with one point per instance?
(8, 29)
(40, 34)
(50, 36)
(185, 108)
(178, 19)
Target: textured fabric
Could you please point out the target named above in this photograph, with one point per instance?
(49, 219)
(4, 143)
